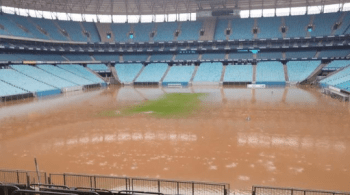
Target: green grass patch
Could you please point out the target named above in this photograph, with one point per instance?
(168, 105)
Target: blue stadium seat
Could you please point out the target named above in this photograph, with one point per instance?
(269, 27)
(78, 57)
(135, 57)
(90, 27)
(238, 73)
(179, 74)
(190, 31)
(9, 90)
(300, 54)
(221, 26)
(337, 64)
(165, 31)
(50, 28)
(127, 72)
(270, 73)
(334, 53)
(162, 57)
(121, 32)
(152, 72)
(186, 57)
(106, 57)
(323, 23)
(73, 29)
(242, 28)
(213, 56)
(209, 72)
(98, 67)
(299, 70)
(296, 25)
(142, 32)
(82, 72)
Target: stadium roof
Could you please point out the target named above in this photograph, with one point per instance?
(145, 7)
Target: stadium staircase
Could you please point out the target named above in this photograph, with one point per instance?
(285, 72)
(115, 75)
(254, 74)
(209, 26)
(193, 75)
(83, 30)
(105, 79)
(103, 29)
(229, 25)
(312, 79)
(138, 74)
(222, 75)
(166, 72)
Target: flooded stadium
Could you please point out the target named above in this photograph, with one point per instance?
(293, 136)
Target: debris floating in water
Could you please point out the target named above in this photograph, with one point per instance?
(248, 118)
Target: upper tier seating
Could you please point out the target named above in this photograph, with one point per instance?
(241, 55)
(297, 25)
(152, 72)
(106, 57)
(8, 90)
(121, 32)
(78, 57)
(344, 25)
(269, 27)
(50, 28)
(299, 70)
(43, 76)
(9, 57)
(209, 72)
(142, 32)
(165, 31)
(65, 74)
(186, 57)
(135, 57)
(98, 67)
(269, 55)
(29, 56)
(127, 72)
(300, 54)
(190, 31)
(24, 21)
(179, 74)
(238, 73)
(220, 31)
(10, 28)
(213, 56)
(73, 29)
(242, 28)
(334, 53)
(90, 27)
(20, 80)
(162, 57)
(82, 72)
(336, 64)
(270, 72)
(323, 24)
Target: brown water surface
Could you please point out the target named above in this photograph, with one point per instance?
(296, 137)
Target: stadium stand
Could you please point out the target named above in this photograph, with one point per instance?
(142, 32)
(73, 29)
(78, 57)
(82, 72)
(334, 53)
(221, 26)
(238, 73)
(98, 67)
(26, 83)
(208, 72)
(179, 74)
(242, 29)
(11, 28)
(299, 70)
(135, 57)
(50, 28)
(269, 55)
(106, 57)
(300, 54)
(344, 24)
(269, 27)
(24, 21)
(190, 31)
(121, 32)
(323, 23)
(43, 76)
(127, 72)
(66, 75)
(337, 64)
(10, 90)
(270, 73)
(341, 80)
(186, 57)
(213, 56)
(165, 31)
(152, 73)
(9, 57)
(296, 25)
(92, 30)
(162, 57)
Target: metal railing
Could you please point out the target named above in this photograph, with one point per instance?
(267, 190)
(139, 184)
(13, 176)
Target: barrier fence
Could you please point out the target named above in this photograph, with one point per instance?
(266, 190)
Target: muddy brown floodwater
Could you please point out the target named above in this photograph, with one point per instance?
(296, 137)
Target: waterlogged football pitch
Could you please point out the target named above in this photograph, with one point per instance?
(168, 105)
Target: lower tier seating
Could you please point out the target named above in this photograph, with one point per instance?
(300, 70)
(127, 72)
(209, 72)
(272, 72)
(336, 64)
(152, 72)
(238, 73)
(98, 67)
(340, 79)
(179, 74)
(82, 72)
(9, 90)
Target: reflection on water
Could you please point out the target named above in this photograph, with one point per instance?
(295, 137)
